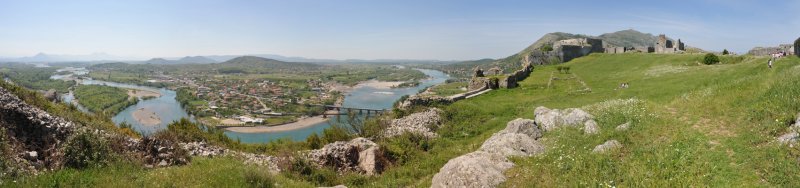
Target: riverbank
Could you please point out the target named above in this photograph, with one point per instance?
(137, 93)
(146, 117)
(299, 124)
(379, 84)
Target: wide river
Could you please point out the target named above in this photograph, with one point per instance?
(170, 109)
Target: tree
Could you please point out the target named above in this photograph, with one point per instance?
(710, 58)
(797, 47)
(725, 52)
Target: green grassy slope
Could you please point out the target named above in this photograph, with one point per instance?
(692, 124)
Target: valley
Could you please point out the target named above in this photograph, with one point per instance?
(440, 94)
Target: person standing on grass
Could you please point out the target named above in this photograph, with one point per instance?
(770, 63)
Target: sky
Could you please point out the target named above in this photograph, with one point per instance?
(374, 29)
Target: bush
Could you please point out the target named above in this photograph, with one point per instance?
(303, 169)
(85, 149)
(725, 52)
(259, 178)
(314, 142)
(405, 147)
(710, 59)
(547, 47)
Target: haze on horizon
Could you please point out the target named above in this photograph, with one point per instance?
(364, 29)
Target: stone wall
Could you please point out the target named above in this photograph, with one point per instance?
(765, 51)
(664, 45)
(575, 48)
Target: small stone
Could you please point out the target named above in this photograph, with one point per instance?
(624, 126)
(33, 154)
(607, 146)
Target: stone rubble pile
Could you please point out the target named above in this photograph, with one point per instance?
(33, 136)
(357, 155)
(423, 123)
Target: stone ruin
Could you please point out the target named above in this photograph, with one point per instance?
(480, 82)
(765, 51)
(667, 46)
(574, 48)
(663, 45)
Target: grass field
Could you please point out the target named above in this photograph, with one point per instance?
(692, 125)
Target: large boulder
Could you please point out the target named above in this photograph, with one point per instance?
(523, 126)
(575, 116)
(357, 155)
(485, 167)
(549, 119)
(512, 144)
(476, 169)
(423, 123)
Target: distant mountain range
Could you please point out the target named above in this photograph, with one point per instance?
(105, 58)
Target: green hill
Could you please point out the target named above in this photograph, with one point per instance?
(627, 38)
(253, 64)
(692, 124)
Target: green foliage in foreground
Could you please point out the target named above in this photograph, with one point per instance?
(203, 172)
(103, 99)
(85, 149)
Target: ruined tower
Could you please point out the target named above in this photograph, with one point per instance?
(661, 45)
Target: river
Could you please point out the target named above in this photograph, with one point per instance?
(360, 97)
(170, 109)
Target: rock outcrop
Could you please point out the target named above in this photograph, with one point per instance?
(485, 167)
(476, 169)
(607, 146)
(550, 119)
(357, 155)
(423, 123)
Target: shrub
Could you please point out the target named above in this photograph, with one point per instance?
(303, 169)
(725, 52)
(710, 59)
(314, 142)
(547, 47)
(259, 178)
(85, 149)
(404, 147)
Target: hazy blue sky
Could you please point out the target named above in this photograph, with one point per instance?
(369, 29)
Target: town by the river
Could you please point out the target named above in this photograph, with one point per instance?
(167, 109)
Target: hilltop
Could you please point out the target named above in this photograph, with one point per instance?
(624, 38)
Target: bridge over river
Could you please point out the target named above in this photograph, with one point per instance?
(339, 110)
